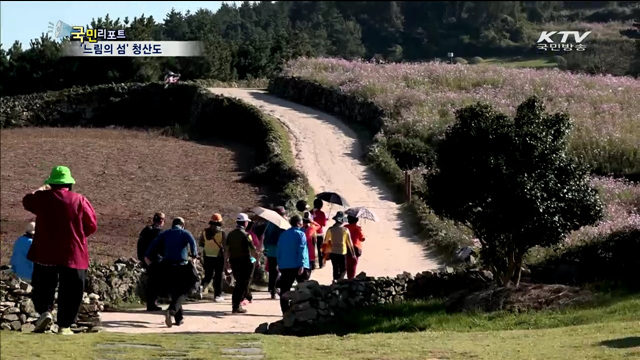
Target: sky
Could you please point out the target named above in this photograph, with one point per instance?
(27, 20)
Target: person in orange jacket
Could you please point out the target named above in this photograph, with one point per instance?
(357, 237)
(310, 229)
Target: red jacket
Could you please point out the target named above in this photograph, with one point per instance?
(64, 220)
(320, 218)
(311, 232)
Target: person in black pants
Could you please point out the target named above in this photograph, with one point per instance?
(212, 240)
(59, 251)
(238, 251)
(147, 235)
(46, 279)
(271, 235)
(177, 271)
(287, 278)
(293, 256)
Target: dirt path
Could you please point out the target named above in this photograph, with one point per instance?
(328, 152)
(201, 317)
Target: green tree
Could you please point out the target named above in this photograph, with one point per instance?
(511, 182)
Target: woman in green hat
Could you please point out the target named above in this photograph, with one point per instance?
(59, 250)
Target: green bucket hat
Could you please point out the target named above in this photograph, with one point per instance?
(60, 175)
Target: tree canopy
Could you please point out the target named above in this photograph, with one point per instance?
(253, 40)
(512, 182)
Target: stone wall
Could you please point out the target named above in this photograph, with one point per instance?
(107, 287)
(125, 282)
(18, 312)
(313, 304)
(117, 283)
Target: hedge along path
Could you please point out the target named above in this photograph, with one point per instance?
(328, 152)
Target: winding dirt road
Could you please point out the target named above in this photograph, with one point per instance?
(328, 152)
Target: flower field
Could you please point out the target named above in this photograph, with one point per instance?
(421, 99)
(622, 209)
(605, 109)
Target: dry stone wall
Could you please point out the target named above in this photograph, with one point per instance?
(312, 304)
(19, 314)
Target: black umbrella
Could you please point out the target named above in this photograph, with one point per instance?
(333, 198)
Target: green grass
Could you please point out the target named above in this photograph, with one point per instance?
(580, 342)
(607, 330)
(535, 63)
(431, 316)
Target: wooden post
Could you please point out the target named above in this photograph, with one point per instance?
(407, 186)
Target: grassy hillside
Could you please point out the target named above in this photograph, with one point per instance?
(423, 97)
(409, 105)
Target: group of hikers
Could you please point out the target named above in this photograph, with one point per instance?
(53, 253)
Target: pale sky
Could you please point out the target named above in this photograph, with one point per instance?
(27, 20)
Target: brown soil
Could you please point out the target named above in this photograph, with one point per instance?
(127, 175)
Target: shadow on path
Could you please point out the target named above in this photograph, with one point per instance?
(622, 343)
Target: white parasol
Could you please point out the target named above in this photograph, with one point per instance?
(362, 212)
(272, 217)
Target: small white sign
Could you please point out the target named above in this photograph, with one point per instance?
(450, 54)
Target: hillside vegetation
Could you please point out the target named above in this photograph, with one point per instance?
(408, 107)
(421, 99)
(255, 39)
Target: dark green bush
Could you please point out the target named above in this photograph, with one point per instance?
(459, 60)
(476, 60)
(612, 258)
(410, 152)
(517, 188)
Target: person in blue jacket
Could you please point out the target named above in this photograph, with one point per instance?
(293, 259)
(20, 265)
(179, 276)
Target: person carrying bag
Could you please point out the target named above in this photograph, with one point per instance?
(212, 240)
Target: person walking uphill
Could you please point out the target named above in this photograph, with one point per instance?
(256, 263)
(175, 267)
(238, 251)
(321, 219)
(310, 229)
(213, 239)
(337, 245)
(357, 237)
(293, 259)
(59, 251)
(271, 236)
(147, 235)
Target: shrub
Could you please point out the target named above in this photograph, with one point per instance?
(476, 60)
(603, 57)
(410, 152)
(459, 60)
(561, 62)
(610, 257)
(517, 188)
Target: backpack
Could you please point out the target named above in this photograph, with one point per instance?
(216, 234)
